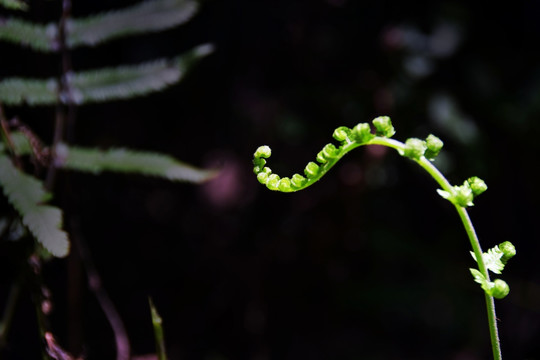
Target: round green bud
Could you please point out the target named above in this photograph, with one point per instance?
(434, 146)
(321, 158)
(362, 133)
(414, 148)
(383, 126)
(273, 182)
(285, 184)
(342, 133)
(477, 185)
(263, 151)
(262, 177)
(311, 170)
(298, 180)
(463, 195)
(330, 151)
(500, 289)
(508, 249)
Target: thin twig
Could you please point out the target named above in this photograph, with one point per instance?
(95, 285)
(9, 311)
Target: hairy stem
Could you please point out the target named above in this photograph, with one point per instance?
(490, 302)
(414, 149)
(471, 233)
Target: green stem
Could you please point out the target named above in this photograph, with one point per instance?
(490, 302)
(469, 229)
(415, 150)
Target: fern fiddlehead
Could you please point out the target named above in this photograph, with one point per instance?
(422, 152)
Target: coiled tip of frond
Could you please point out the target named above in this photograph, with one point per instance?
(271, 180)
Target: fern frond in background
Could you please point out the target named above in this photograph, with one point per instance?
(20, 91)
(123, 82)
(146, 17)
(129, 161)
(24, 33)
(14, 4)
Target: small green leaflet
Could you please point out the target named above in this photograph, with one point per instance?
(492, 259)
(28, 196)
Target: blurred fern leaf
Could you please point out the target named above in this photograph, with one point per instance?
(14, 4)
(101, 85)
(148, 16)
(38, 37)
(19, 91)
(28, 196)
(130, 81)
(129, 161)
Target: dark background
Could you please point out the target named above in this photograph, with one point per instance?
(369, 263)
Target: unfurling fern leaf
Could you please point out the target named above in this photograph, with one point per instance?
(28, 196)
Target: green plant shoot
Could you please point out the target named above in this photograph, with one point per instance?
(423, 152)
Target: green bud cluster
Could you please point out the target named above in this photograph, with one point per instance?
(495, 260)
(463, 195)
(508, 249)
(416, 148)
(348, 138)
(274, 181)
(383, 126)
(497, 288)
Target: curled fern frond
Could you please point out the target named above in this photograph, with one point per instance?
(329, 155)
(28, 196)
(148, 16)
(128, 161)
(102, 84)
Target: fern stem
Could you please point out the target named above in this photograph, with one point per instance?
(477, 249)
(414, 149)
(63, 89)
(490, 302)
